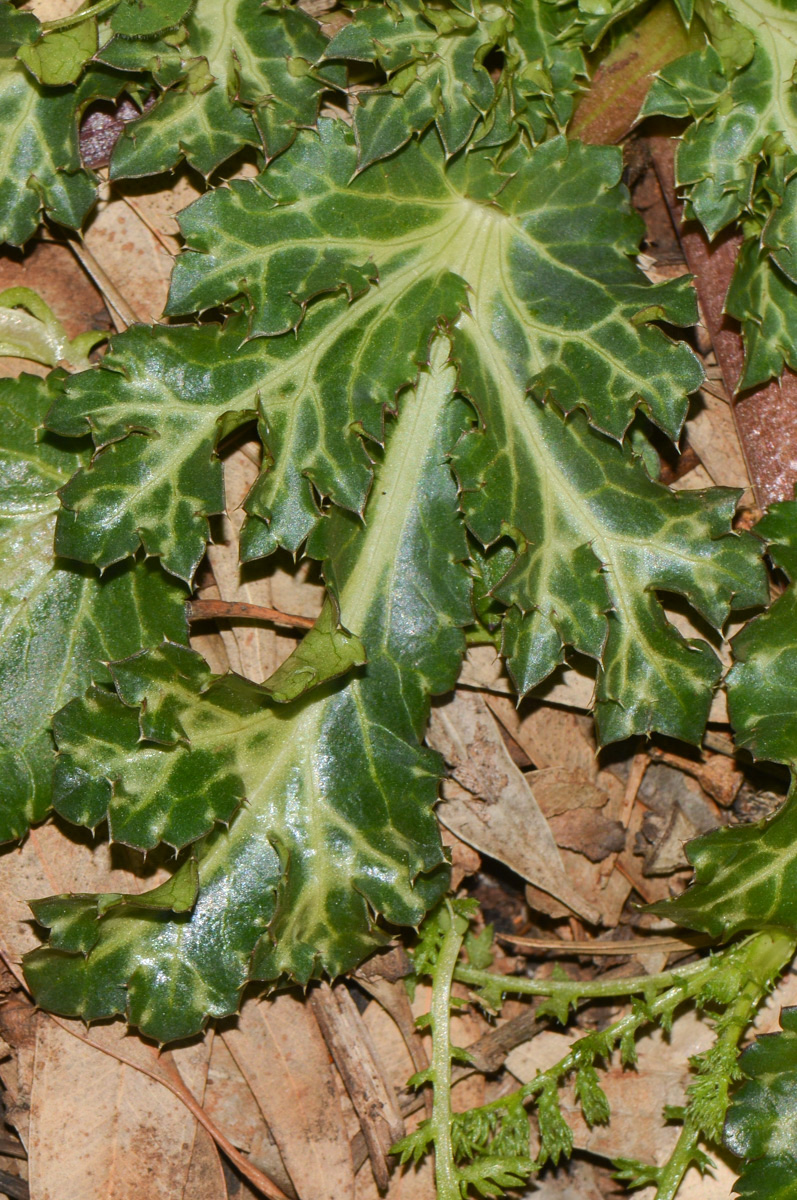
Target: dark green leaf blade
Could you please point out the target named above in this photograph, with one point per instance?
(58, 621)
(761, 1126)
(339, 825)
(598, 538)
(184, 775)
(577, 308)
(41, 168)
(746, 876)
(762, 684)
(145, 18)
(244, 79)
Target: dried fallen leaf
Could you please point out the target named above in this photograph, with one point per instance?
(129, 1139)
(255, 649)
(464, 732)
(281, 1054)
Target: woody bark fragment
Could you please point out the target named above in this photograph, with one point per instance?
(766, 417)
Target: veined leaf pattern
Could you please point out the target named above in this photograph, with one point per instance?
(58, 621)
(337, 825)
(738, 160)
(243, 76)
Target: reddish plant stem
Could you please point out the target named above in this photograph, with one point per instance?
(209, 610)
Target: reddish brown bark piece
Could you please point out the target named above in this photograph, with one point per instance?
(618, 89)
(766, 417)
(206, 610)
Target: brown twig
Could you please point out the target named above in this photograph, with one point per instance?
(232, 610)
(635, 884)
(639, 764)
(591, 947)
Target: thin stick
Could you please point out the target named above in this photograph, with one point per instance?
(639, 765)
(209, 610)
(638, 887)
(594, 947)
(122, 314)
(170, 1078)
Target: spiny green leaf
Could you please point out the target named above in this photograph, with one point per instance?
(762, 685)
(576, 315)
(434, 61)
(40, 169)
(746, 876)
(242, 77)
(599, 537)
(338, 824)
(162, 767)
(308, 233)
(738, 158)
(761, 1125)
(753, 116)
(58, 621)
(764, 300)
(145, 18)
(183, 388)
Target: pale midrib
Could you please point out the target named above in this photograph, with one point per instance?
(391, 503)
(300, 369)
(406, 459)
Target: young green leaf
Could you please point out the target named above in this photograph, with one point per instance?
(58, 57)
(762, 1120)
(30, 329)
(58, 621)
(746, 876)
(433, 59)
(338, 825)
(738, 159)
(242, 77)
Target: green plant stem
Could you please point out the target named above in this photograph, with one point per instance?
(762, 956)
(446, 1175)
(768, 961)
(598, 989)
(95, 10)
(678, 1163)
